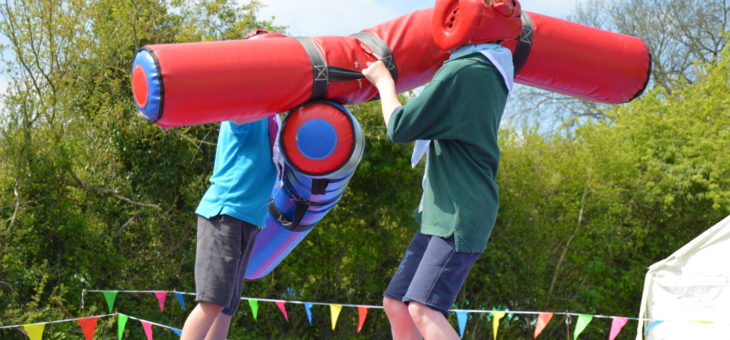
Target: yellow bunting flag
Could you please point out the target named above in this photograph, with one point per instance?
(496, 316)
(335, 313)
(35, 331)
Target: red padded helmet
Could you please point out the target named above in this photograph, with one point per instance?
(460, 22)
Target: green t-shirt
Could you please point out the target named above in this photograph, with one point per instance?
(459, 111)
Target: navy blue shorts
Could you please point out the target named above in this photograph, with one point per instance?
(431, 272)
(221, 256)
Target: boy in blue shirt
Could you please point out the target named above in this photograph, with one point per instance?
(230, 215)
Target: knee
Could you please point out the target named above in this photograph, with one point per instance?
(392, 306)
(210, 308)
(418, 312)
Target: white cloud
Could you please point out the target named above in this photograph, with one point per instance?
(342, 17)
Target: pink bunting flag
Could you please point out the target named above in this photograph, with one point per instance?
(88, 326)
(147, 329)
(161, 297)
(616, 325)
(362, 313)
(282, 308)
(542, 320)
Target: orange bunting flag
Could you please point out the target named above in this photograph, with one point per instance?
(542, 320)
(88, 326)
(495, 322)
(335, 313)
(147, 329)
(34, 331)
(282, 308)
(161, 297)
(362, 313)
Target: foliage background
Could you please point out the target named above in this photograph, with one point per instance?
(93, 197)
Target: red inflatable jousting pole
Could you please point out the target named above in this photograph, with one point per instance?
(196, 83)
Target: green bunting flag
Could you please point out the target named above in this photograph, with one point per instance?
(580, 326)
(254, 304)
(109, 296)
(121, 324)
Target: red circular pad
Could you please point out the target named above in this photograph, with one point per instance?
(139, 86)
(343, 128)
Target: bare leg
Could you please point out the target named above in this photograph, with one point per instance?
(200, 320)
(431, 323)
(401, 324)
(219, 330)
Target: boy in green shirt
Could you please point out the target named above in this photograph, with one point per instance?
(458, 113)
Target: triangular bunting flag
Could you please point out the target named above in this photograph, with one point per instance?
(580, 326)
(254, 304)
(335, 313)
(121, 324)
(147, 329)
(161, 297)
(362, 313)
(109, 296)
(180, 299)
(282, 308)
(542, 320)
(461, 318)
(176, 331)
(34, 331)
(652, 325)
(308, 309)
(497, 316)
(616, 325)
(88, 326)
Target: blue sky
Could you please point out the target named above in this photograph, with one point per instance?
(342, 17)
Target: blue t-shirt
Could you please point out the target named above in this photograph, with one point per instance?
(243, 173)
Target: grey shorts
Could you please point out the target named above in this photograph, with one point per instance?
(221, 256)
(431, 272)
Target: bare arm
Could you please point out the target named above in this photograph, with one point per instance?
(379, 76)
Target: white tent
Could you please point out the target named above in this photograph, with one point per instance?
(690, 290)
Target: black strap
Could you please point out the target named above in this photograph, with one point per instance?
(524, 43)
(323, 73)
(319, 67)
(319, 186)
(301, 208)
(381, 49)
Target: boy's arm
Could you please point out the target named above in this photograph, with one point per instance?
(379, 76)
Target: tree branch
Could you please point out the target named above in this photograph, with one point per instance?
(570, 239)
(111, 192)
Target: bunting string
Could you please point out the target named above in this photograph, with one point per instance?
(477, 311)
(57, 321)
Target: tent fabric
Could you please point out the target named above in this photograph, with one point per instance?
(690, 290)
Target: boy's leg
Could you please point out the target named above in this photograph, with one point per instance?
(219, 329)
(223, 248)
(432, 324)
(401, 324)
(436, 283)
(200, 320)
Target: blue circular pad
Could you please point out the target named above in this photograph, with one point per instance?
(316, 139)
